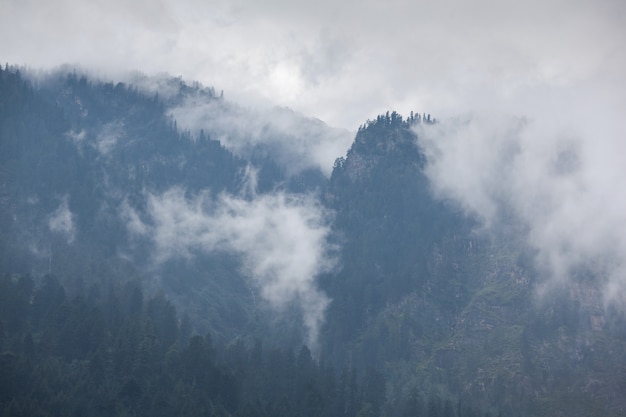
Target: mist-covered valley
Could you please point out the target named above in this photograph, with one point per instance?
(164, 250)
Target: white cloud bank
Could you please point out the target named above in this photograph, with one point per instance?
(560, 171)
(281, 239)
(342, 62)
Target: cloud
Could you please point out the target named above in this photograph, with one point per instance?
(281, 239)
(294, 141)
(555, 169)
(108, 137)
(558, 65)
(61, 221)
(340, 62)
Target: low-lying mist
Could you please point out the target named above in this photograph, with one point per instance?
(295, 142)
(281, 239)
(556, 172)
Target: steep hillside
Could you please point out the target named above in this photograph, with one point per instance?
(122, 195)
(80, 160)
(441, 306)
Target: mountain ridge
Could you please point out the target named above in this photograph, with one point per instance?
(419, 292)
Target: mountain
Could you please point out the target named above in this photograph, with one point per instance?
(80, 159)
(155, 211)
(439, 303)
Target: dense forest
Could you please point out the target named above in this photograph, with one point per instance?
(112, 351)
(147, 268)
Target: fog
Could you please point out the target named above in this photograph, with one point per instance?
(530, 95)
(556, 170)
(295, 142)
(342, 63)
(61, 221)
(281, 240)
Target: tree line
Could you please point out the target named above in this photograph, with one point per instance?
(111, 350)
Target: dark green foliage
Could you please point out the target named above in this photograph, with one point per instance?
(96, 149)
(448, 311)
(125, 368)
(427, 318)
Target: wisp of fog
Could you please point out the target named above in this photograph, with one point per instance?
(296, 143)
(281, 239)
(556, 169)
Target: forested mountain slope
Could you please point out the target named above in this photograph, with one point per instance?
(80, 159)
(136, 253)
(424, 294)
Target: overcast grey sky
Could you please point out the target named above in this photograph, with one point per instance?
(343, 62)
